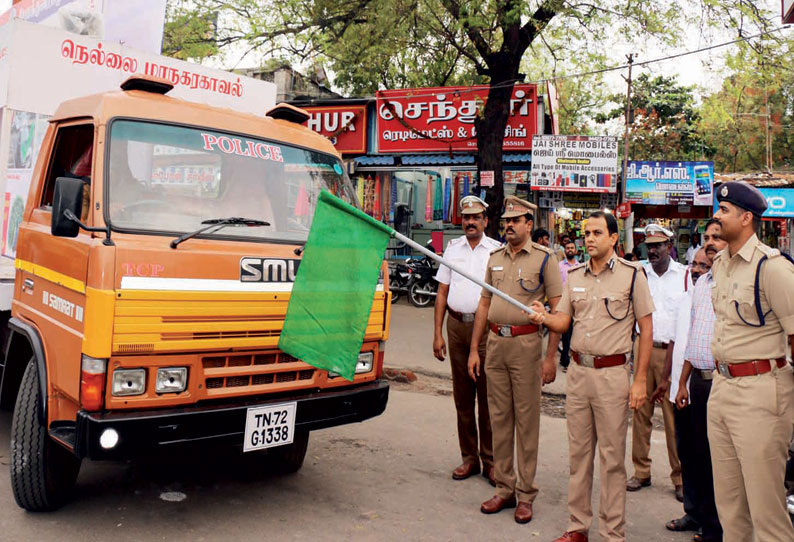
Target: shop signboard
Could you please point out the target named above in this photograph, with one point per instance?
(670, 183)
(780, 202)
(441, 119)
(574, 163)
(345, 126)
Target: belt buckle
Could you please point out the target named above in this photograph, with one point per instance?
(467, 318)
(506, 331)
(586, 360)
(724, 370)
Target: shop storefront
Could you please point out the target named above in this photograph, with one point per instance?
(411, 154)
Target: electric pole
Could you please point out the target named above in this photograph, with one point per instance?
(630, 58)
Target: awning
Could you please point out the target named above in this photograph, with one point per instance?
(436, 159)
(382, 160)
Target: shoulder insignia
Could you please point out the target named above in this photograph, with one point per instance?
(635, 265)
(494, 251)
(542, 248)
(767, 250)
(456, 241)
(577, 267)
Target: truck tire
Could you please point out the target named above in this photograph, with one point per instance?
(288, 459)
(42, 471)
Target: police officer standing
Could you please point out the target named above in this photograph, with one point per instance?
(606, 296)
(750, 410)
(459, 297)
(527, 272)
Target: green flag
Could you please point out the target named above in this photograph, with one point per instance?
(333, 292)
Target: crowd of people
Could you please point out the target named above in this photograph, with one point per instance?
(706, 341)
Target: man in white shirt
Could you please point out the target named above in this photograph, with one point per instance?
(666, 279)
(694, 246)
(459, 297)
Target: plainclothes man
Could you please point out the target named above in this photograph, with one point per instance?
(605, 296)
(459, 297)
(750, 410)
(565, 265)
(527, 272)
(667, 280)
(691, 400)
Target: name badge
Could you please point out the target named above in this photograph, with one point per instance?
(577, 289)
(497, 268)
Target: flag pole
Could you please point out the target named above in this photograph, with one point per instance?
(456, 269)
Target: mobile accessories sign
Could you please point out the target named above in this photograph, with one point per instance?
(670, 183)
(574, 163)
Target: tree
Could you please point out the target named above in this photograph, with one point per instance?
(664, 120)
(372, 44)
(735, 117)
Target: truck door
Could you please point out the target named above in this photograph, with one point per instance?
(51, 271)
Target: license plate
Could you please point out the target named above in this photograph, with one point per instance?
(269, 426)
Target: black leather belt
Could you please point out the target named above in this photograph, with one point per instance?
(660, 344)
(703, 375)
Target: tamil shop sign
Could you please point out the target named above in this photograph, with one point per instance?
(442, 119)
(574, 163)
(670, 183)
(345, 126)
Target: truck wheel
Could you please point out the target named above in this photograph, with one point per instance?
(42, 471)
(288, 459)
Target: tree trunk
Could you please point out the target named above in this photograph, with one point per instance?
(490, 135)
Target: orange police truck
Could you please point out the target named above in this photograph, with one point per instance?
(155, 259)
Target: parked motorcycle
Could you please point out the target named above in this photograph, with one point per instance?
(424, 287)
(790, 480)
(399, 279)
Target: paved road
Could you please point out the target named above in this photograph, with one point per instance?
(385, 479)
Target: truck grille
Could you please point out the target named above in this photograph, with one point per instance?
(259, 370)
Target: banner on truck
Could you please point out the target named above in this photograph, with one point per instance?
(670, 183)
(574, 163)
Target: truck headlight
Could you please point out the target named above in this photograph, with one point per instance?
(128, 382)
(364, 364)
(171, 380)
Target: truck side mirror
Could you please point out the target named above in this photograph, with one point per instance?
(68, 196)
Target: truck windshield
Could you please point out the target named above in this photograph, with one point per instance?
(164, 178)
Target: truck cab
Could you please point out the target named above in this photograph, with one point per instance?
(155, 260)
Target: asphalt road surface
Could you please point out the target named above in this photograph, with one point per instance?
(385, 479)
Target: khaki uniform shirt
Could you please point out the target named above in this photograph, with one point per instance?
(596, 332)
(515, 275)
(734, 279)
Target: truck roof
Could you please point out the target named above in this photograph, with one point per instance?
(145, 105)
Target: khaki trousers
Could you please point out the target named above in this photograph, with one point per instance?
(513, 368)
(749, 424)
(642, 425)
(596, 406)
(464, 392)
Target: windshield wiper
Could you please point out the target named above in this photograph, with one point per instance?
(219, 223)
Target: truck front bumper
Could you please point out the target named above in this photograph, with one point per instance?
(143, 432)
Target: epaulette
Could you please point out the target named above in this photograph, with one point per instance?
(635, 265)
(456, 241)
(494, 251)
(541, 247)
(768, 251)
(577, 267)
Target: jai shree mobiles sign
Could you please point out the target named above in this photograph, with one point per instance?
(574, 163)
(442, 119)
(345, 126)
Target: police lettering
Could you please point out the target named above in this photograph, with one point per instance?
(240, 147)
